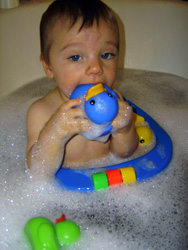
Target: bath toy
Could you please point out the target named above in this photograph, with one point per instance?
(67, 232)
(62, 218)
(100, 105)
(43, 235)
(145, 135)
(113, 177)
(100, 180)
(137, 169)
(128, 175)
(137, 119)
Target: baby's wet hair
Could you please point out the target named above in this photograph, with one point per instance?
(88, 10)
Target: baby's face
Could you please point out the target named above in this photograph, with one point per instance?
(88, 56)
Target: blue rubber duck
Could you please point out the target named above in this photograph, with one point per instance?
(100, 106)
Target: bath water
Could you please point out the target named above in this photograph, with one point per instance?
(144, 215)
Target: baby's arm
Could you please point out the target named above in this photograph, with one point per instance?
(47, 135)
(125, 140)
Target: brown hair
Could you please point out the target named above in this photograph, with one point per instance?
(88, 10)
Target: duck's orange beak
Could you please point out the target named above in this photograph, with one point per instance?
(95, 90)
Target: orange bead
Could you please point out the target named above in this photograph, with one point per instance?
(114, 177)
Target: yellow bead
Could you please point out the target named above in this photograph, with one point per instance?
(128, 174)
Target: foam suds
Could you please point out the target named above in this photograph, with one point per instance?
(146, 215)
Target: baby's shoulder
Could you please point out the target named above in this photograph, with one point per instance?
(44, 107)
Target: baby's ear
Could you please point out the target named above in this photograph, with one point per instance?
(47, 68)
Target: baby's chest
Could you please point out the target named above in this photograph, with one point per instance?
(79, 147)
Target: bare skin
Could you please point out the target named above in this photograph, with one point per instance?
(53, 124)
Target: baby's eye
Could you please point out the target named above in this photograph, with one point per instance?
(75, 58)
(107, 55)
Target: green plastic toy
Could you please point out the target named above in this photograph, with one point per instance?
(67, 232)
(100, 180)
(43, 235)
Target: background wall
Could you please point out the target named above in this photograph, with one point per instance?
(155, 37)
(156, 34)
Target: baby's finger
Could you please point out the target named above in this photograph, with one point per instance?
(80, 125)
(70, 104)
(122, 103)
(75, 126)
(72, 113)
(124, 107)
(118, 94)
(124, 116)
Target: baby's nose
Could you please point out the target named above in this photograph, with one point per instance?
(94, 67)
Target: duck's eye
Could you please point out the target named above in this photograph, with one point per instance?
(142, 141)
(92, 102)
(109, 94)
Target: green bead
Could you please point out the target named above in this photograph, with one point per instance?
(67, 232)
(100, 180)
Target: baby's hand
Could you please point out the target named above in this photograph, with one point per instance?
(70, 119)
(123, 120)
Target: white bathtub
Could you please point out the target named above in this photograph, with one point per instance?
(155, 38)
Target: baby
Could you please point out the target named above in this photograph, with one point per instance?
(79, 45)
